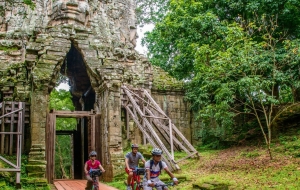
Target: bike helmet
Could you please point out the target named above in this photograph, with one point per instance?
(93, 153)
(156, 151)
(134, 146)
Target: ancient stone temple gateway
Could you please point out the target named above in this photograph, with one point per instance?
(92, 43)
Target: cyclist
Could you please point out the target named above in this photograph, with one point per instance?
(92, 163)
(153, 169)
(132, 161)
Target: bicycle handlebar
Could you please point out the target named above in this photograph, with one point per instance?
(95, 172)
(139, 171)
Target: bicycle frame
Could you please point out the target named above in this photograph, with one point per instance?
(95, 183)
(94, 173)
(136, 183)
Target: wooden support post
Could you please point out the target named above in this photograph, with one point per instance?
(82, 144)
(143, 124)
(171, 138)
(72, 155)
(23, 125)
(11, 137)
(93, 132)
(160, 143)
(152, 120)
(127, 125)
(2, 129)
(19, 143)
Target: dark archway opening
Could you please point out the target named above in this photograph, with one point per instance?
(83, 98)
(83, 95)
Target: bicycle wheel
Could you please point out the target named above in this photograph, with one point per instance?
(132, 185)
(140, 186)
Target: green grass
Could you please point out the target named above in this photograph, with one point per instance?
(117, 184)
(247, 167)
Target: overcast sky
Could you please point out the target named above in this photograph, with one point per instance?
(141, 32)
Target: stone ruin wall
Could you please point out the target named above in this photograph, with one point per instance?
(33, 46)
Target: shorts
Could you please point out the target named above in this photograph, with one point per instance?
(156, 181)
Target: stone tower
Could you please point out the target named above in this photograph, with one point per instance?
(92, 43)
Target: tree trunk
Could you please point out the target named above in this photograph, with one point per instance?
(61, 163)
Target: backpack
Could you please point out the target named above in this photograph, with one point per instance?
(159, 163)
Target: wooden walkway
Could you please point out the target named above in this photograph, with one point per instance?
(77, 185)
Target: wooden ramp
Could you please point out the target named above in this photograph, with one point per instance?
(77, 185)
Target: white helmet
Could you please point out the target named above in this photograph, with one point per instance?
(156, 151)
(93, 153)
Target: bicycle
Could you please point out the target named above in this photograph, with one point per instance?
(94, 173)
(136, 183)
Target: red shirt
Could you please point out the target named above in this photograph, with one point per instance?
(92, 166)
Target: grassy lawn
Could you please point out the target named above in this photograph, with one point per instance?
(244, 167)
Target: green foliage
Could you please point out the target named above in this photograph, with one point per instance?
(27, 183)
(236, 57)
(290, 144)
(29, 3)
(61, 100)
(151, 11)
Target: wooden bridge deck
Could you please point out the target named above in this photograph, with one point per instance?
(77, 185)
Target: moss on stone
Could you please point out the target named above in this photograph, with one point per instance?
(8, 49)
(36, 182)
(36, 168)
(164, 82)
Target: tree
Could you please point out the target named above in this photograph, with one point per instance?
(245, 77)
(236, 58)
(61, 100)
(186, 24)
(151, 11)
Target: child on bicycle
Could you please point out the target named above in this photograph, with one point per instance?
(92, 163)
(153, 169)
(132, 161)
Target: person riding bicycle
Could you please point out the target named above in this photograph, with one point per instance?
(153, 169)
(132, 161)
(92, 163)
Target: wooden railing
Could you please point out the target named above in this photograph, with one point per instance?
(15, 167)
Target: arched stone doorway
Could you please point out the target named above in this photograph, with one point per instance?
(95, 85)
(83, 98)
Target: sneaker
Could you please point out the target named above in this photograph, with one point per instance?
(128, 188)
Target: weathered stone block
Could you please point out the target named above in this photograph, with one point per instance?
(33, 46)
(35, 168)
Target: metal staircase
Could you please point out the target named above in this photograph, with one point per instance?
(156, 126)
